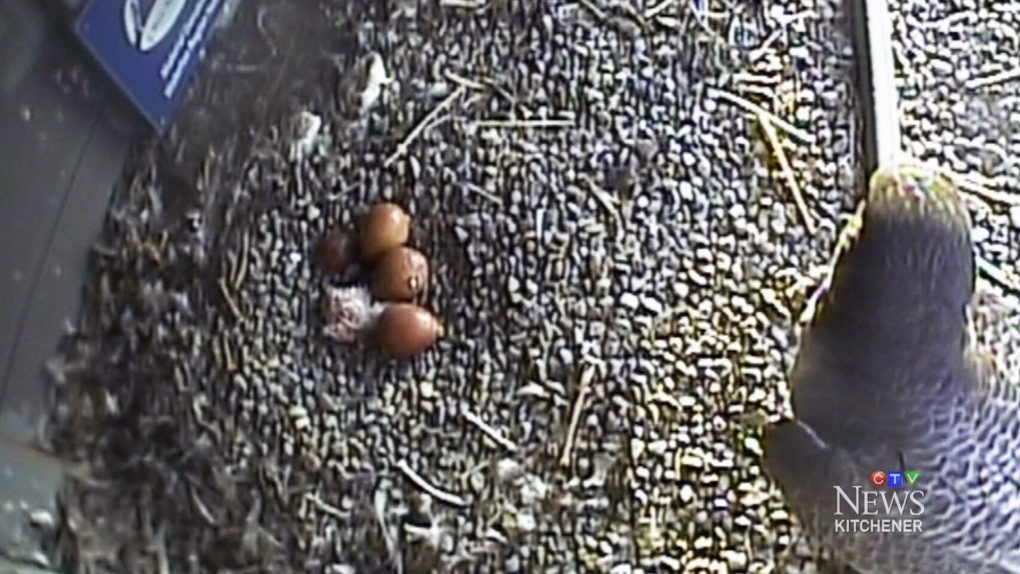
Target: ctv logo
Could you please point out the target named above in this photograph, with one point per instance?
(893, 479)
(891, 503)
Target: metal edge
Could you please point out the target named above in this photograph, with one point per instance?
(876, 82)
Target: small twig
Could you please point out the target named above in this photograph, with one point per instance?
(542, 123)
(663, 397)
(942, 22)
(466, 82)
(225, 291)
(765, 92)
(484, 193)
(242, 265)
(659, 8)
(228, 355)
(974, 179)
(423, 124)
(203, 509)
(741, 79)
(162, 556)
(603, 198)
(343, 192)
(327, 507)
(447, 497)
(488, 430)
(764, 47)
(784, 164)
(597, 12)
(466, 4)
(984, 192)
(997, 275)
(844, 242)
(1000, 78)
(975, 184)
(575, 417)
(487, 84)
(754, 108)
(380, 502)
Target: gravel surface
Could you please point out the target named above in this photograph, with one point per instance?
(618, 262)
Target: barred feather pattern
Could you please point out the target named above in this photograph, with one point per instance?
(888, 376)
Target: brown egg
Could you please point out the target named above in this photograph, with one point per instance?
(387, 226)
(337, 252)
(405, 330)
(400, 274)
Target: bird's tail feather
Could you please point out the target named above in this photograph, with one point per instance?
(800, 461)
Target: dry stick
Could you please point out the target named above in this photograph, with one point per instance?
(595, 10)
(1001, 77)
(658, 9)
(492, 433)
(575, 417)
(483, 193)
(608, 202)
(986, 193)
(843, 244)
(485, 85)
(162, 559)
(447, 497)
(423, 124)
(466, 82)
(754, 108)
(202, 507)
(468, 4)
(784, 164)
(973, 179)
(763, 91)
(327, 507)
(951, 19)
(540, 123)
(228, 354)
(742, 79)
(763, 49)
(975, 184)
(225, 291)
(995, 274)
(242, 266)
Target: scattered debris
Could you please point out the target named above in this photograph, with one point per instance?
(305, 136)
(791, 178)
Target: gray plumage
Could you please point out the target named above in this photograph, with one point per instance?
(886, 379)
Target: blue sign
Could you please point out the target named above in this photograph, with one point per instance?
(149, 47)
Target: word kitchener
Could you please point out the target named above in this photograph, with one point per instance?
(879, 525)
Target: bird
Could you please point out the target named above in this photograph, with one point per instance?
(887, 377)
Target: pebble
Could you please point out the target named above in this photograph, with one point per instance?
(1014, 217)
(653, 305)
(980, 235)
(630, 301)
